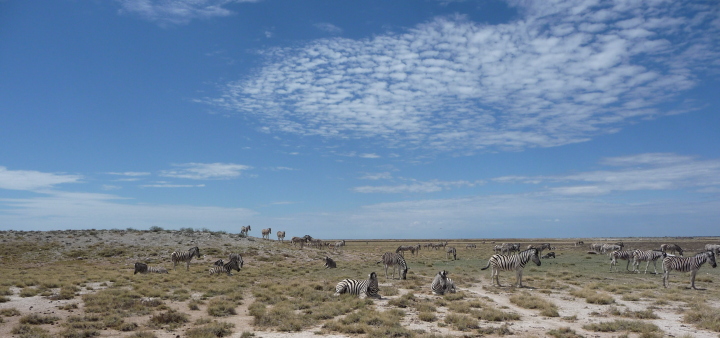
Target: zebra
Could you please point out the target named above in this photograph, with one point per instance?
(471, 246)
(579, 243)
(515, 262)
(610, 248)
(395, 260)
(329, 263)
(550, 254)
(362, 288)
(281, 236)
(238, 258)
(497, 248)
(646, 256)
(266, 233)
(441, 284)
(620, 254)
(233, 264)
(671, 248)
(298, 240)
(713, 247)
(244, 231)
(185, 257)
(339, 244)
(401, 249)
(451, 251)
(219, 262)
(687, 264)
(144, 268)
(597, 247)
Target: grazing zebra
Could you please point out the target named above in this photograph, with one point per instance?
(244, 231)
(610, 248)
(713, 247)
(395, 260)
(362, 288)
(144, 268)
(185, 257)
(515, 262)
(687, 264)
(238, 258)
(401, 249)
(298, 240)
(451, 251)
(329, 263)
(548, 255)
(471, 246)
(233, 264)
(671, 248)
(646, 256)
(339, 245)
(281, 236)
(620, 254)
(597, 247)
(441, 284)
(266, 233)
(497, 248)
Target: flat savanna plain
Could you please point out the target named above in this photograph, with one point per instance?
(80, 283)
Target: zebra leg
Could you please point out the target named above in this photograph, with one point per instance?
(666, 278)
(692, 279)
(519, 278)
(496, 276)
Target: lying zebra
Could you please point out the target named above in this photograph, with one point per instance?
(144, 268)
(233, 264)
(442, 284)
(548, 255)
(329, 263)
(361, 288)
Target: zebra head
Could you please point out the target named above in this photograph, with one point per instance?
(372, 276)
(140, 267)
(194, 251)
(443, 274)
(403, 273)
(534, 257)
(711, 258)
(232, 264)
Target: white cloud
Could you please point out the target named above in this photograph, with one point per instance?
(33, 180)
(129, 173)
(177, 12)
(416, 187)
(563, 73)
(369, 156)
(169, 185)
(328, 27)
(206, 171)
(377, 176)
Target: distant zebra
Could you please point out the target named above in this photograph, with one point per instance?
(671, 248)
(610, 248)
(329, 263)
(550, 254)
(238, 258)
(144, 268)
(339, 245)
(281, 236)
(185, 257)
(497, 248)
(451, 251)
(597, 247)
(401, 249)
(362, 288)
(579, 243)
(620, 254)
(646, 256)
(441, 284)
(244, 231)
(233, 264)
(471, 246)
(298, 240)
(266, 233)
(713, 247)
(687, 264)
(395, 260)
(515, 262)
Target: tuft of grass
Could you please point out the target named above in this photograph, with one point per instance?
(495, 315)
(171, 318)
(36, 319)
(211, 330)
(30, 331)
(220, 307)
(528, 301)
(644, 314)
(11, 312)
(623, 326)
(427, 316)
(592, 296)
(564, 332)
(703, 316)
(143, 334)
(461, 322)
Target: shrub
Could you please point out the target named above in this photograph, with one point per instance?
(221, 308)
(703, 316)
(564, 332)
(622, 325)
(171, 318)
(528, 301)
(36, 319)
(30, 331)
(212, 330)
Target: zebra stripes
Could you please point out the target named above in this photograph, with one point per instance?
(620, 254)
(646, 256)
(266, 233)
(281, 236)
(361, 288)
(184, 257)
(441, 284)
(144, 268)
(395, 260)
(451, 251)
(244, 231)
(329, 263)
(238, 258)
(671, 248)
(687, 264)
(298, 240)
(515, 262)
(233, 264)
(401, 249)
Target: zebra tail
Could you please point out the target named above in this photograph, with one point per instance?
(485, 268)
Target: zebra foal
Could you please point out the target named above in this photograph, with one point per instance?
(186, 257)
(441, 284)
(620, 254)
(266, 233)
(515, 262)
(687, 264)
(361, 288)
(329, 263)
(144, 268)
(281, 236)
(233, 264)
(395, 260)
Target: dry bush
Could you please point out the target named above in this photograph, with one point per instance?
(528, 301)
(622, 326)
(703, 316)
(211, 330)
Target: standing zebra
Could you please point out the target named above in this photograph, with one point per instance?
(687, 264)
(620, 254)
(143, 268)
(515, 262)
(646, 256)
(185, 257)
(339, 245)
(329, 263)
(266, 233)
(441, 284)
(233, 264)
(298, 240)
(401, 249)
(362, 288)
(238, 258)
(713, 247)
(471, 246)
(281, 236)
(244, 231)
(394, 260)
(451, 251)
(671, 248)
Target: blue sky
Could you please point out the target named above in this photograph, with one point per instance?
(373, 119)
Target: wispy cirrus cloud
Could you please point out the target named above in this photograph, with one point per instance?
(177, 12)
(562, 73)
(416, 187)
(651, 171)
(206, 171)
(328, 27)
(31, 180)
